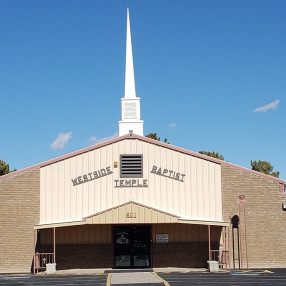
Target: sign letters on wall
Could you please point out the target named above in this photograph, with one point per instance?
(127, 183)
(134, 183)
(91, 176)
(168, 173)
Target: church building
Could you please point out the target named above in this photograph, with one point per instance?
(135, 202)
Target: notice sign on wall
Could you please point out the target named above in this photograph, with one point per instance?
(162, 238)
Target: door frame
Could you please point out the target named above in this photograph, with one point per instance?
(150, 246)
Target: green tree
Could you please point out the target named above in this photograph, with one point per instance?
(4, 168)
(264, 167)
(155, 137)
(212, 154)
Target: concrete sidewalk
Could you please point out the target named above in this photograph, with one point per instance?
(96, 271)
(142, 278)
(121, 277)
(110, 270)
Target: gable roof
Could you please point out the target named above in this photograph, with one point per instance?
(147, 140)
(136, 213)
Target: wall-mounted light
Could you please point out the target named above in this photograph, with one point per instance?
(115, 164)
(284, 206)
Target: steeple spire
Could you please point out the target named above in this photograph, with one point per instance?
(130, 104)
(129, 69)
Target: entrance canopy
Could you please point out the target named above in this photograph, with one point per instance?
(132, 213)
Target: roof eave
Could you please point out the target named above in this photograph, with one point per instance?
(148, 140)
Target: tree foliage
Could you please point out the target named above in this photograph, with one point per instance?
(212, 154)
(264, 167)
(155, 137)
(4, 168)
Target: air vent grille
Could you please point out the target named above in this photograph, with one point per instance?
(131, 166)
(130, 110)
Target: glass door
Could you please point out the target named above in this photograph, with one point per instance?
(122, 248)
(132, 246)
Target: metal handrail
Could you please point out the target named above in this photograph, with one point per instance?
(41, 260)
(222, 257)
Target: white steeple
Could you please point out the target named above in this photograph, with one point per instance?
(129, 69)
(130, 104)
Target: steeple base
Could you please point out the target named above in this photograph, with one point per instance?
(125, 127)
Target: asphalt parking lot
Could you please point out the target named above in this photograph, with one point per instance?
(234, 278)
(33, 280)
(238, 278)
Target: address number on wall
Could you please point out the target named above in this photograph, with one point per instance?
(131, 215)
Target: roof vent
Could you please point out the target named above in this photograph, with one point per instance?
(131, 166)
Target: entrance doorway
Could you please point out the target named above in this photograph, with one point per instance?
(132, 246)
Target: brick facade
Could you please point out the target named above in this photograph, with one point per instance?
(19, 212)
(187, 247)
(90, 246)
(193, 255)
(265, 219)
(88, 256)
(84, 256)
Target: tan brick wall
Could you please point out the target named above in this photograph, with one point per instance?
(19, 211)
(265, 219)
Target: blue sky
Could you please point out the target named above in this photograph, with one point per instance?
(211, 75)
